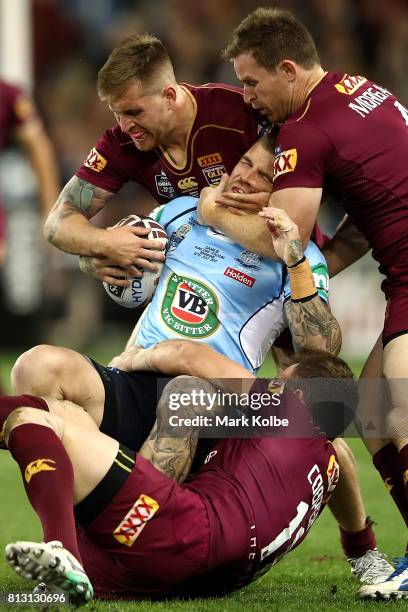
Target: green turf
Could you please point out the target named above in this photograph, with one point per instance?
(313, 577)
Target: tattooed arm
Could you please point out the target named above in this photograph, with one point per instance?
(311, 323)
(68, 228)
(313, 326)
(172, 442)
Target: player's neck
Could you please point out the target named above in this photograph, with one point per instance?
(310, 79)
(184, 115)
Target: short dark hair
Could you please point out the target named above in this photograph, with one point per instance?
(329, 389)
(140, 57)
(272, 35)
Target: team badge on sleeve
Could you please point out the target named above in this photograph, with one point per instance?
(95, 161)
(285, 161)
(130, 527)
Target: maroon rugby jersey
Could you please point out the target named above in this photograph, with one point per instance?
(223, 130)
(351, 137)
(252, 502)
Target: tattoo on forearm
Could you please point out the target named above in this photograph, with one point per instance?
(296, 250)
(172, 452)
(313, 326)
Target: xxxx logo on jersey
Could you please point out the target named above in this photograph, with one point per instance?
(130, 527)
(285, 161)
(95, 161)
(189, 307)
(349, 84)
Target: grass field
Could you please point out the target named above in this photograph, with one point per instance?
(313, 577)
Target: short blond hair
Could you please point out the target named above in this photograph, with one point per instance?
(141, 57)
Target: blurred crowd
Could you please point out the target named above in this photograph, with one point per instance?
(71, 40)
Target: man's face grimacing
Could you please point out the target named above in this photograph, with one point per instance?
(145, 117)
(270, 93)
(253, 172)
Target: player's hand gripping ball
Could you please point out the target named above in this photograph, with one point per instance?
(140, 289)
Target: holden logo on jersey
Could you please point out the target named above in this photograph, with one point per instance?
(189, 307)
(95, 161)
(249, 260)
(209, 160)
(349, 84)
(213, 175)
(164, 186)
(130, 527)
(285, 161)
(236, 275)
(187, 183)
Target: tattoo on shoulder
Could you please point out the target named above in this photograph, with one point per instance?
(82, 196)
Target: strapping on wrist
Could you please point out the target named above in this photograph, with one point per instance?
(302, 283)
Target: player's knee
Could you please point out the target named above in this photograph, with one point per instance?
(25, 415)
(38, 370)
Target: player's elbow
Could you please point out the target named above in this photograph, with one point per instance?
(50, 229)
(181, 357)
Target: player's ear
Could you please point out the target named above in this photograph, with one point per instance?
(287, 69)
(170, 94)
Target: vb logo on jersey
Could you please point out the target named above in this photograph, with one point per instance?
(190, 308)
(285, 162)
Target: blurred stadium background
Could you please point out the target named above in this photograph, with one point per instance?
(54, 49)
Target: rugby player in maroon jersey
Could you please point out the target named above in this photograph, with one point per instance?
(349, 135)
(172, 139)
(145, 536)
(357, 536)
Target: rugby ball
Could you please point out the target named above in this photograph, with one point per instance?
(141, 289)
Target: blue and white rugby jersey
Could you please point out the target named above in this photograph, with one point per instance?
(213, 290)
